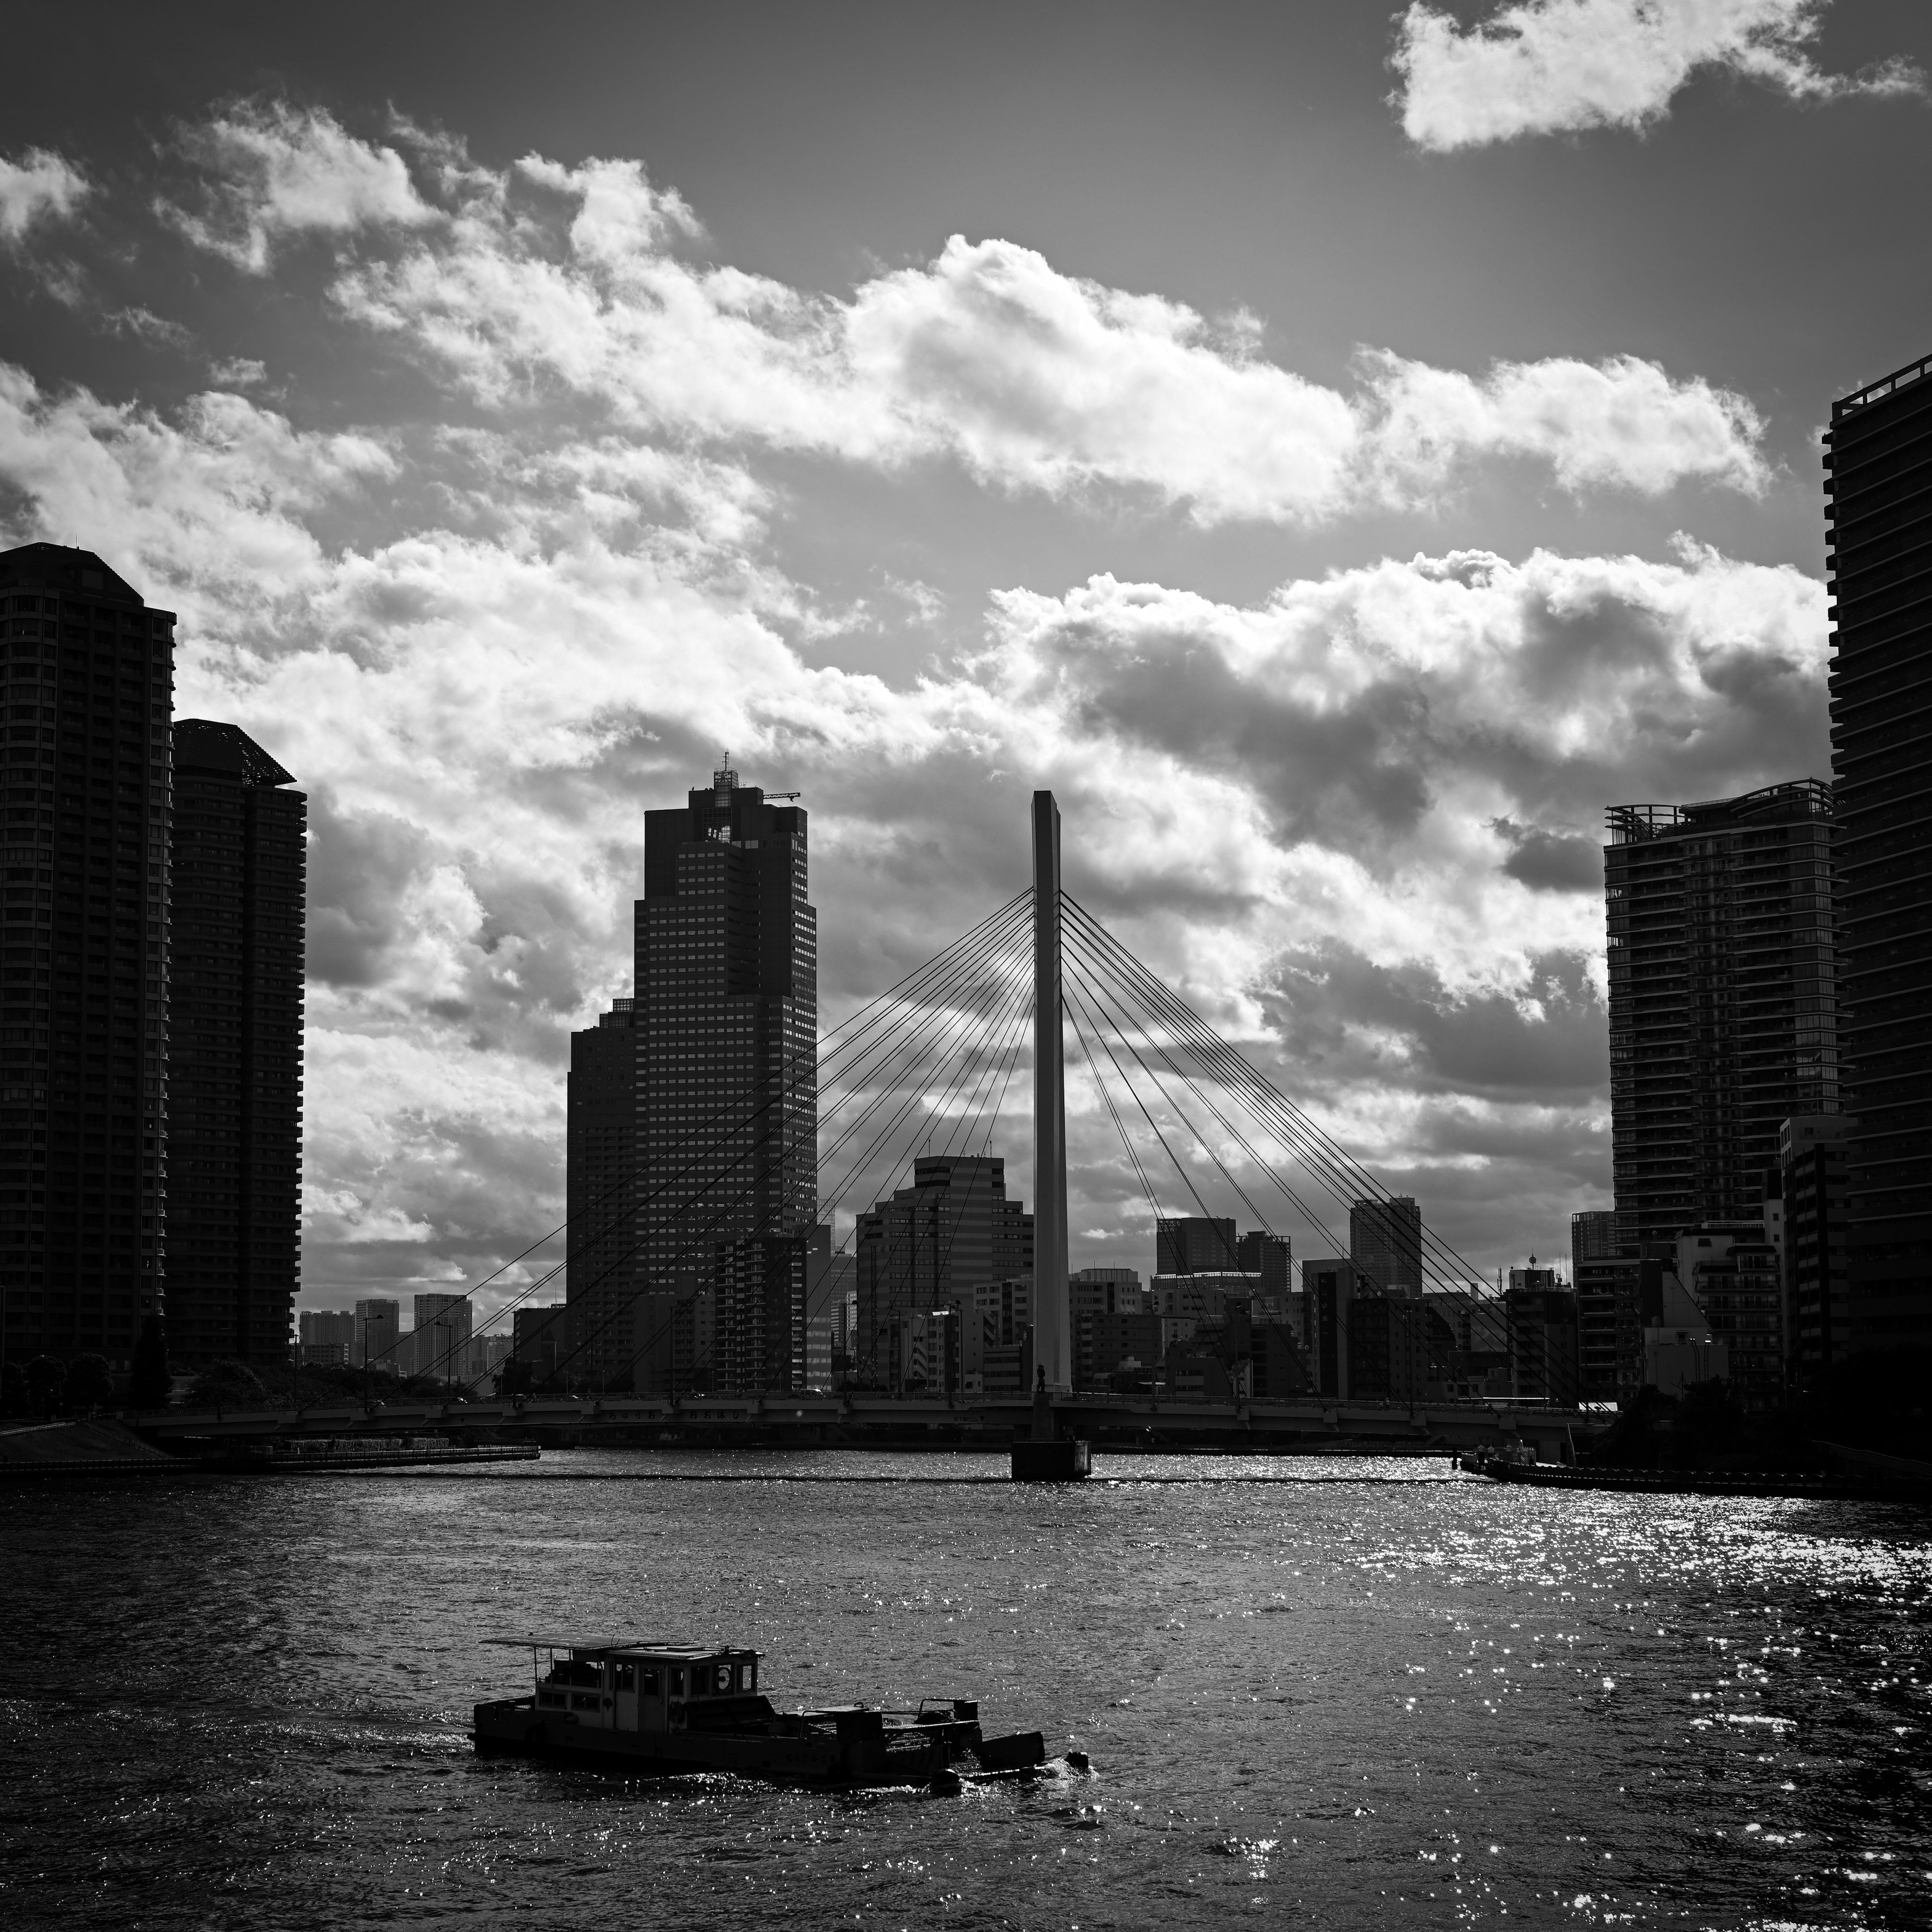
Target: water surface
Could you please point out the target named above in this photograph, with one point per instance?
(1315, 1692)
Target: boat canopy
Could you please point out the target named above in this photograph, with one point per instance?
(629, 1647)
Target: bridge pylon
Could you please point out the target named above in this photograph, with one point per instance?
(1052, 1322)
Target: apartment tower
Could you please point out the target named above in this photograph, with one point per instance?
(1878, 489)
(83, 957)
(235, 1053)
(1723, 1012)
(601, 1186)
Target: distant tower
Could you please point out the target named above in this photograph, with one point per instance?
(1723, 1018)
(234, 1056)
(1385, 1243)
(83, 966)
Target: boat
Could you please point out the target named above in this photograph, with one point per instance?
(671, 1708)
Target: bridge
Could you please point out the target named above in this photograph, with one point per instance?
(1297, 1426)
(926, 1069)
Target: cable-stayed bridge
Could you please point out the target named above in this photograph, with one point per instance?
(963, 1055)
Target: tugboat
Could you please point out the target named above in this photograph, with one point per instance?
(670, 1708)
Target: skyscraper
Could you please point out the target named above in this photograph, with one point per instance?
(727, 1049)
(234, 1056)
(1385, 1243)
(928, 1246)
(1195, 1244)
(600, 1167)
(1722, 1012)
(83, 956)
(1877, 495)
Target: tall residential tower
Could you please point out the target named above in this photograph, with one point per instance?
(1879, 506)
(83, 956)
(234, 1058)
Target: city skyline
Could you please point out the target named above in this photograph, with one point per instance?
(1337, 557)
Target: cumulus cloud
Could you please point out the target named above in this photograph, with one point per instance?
(272, 170)
(40, 187)
(1350, 819)
(1543, 66)
(574, 288)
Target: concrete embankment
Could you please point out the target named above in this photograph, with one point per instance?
(104, 1446)
(101, 1446)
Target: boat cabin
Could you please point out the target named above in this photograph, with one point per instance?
(626, 1686)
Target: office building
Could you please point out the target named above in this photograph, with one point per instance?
(84, 958)
(995, 1337)
(1541, 1317)
(235, 1051)
(438, 1344)
(379, 1333)
(1878, 492)
(601, 1193)
(1732, 1277)
(1093, 1295)
(1609, 1348)
(1385, 1244)
(1814, 1163)
(928, 1246)
(1195, 1244)
(1269, 1258)
(1722, 1008)
(726, 1021)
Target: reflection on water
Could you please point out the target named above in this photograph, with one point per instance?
(1373, 1693)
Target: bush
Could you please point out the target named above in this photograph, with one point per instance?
(46, 1382)
(148, 1386)
(229, 1384)
(89, 1384)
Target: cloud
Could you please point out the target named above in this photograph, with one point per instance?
(574, 290)
(272, 170)
(42, 186)
(1543, 66)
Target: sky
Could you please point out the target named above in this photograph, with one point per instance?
(1339, 451)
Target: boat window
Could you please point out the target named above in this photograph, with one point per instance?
(554, 1698)
(725, 1674)
(583, 1700)
(677, 1684)
(751, 1674)
(650, 1684)
(627, 1677)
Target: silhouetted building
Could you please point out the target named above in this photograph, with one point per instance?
(1195, 1244)
(234, 1054)
(1385, 1244)
(929, 1246)
(378, 1331)
(1879, 491)
(1269, 1258)
(601, 1186)
(327, 1337)
(1543, 1339)
(1814, 1157)
(1094, 1294)
(1610, 1343)
(439, 1345)
(83, 957)
(727, 1043)
(1723, 1014)
(761, 1292)
(540, 1342)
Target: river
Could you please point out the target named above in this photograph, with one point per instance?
(1315, 1692)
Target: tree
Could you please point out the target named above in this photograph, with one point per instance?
(12, 1389)
(46, 1381)
(89, 1384)
(228, 1384)
(148, 1386)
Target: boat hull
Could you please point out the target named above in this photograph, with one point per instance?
(790, 1749)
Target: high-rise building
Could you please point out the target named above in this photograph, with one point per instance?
(1094, 1294)
(439, 1344)
(929, 1245)
(234, 1054)
(378, 1331)
(327, 1337)
(1814, 1158)
(83, 957)
(1269, 1257)
(1723, 1013)
(726, 1017)
(1195, 1244)
(1878, 490)
(1609, 1337)
(601, 1190)
(761, 1292)
(1385, 1243)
